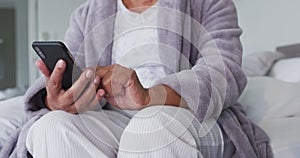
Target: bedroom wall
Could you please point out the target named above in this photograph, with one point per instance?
(22, 42)
(48, 20)
(268, 23)
(20, 7)
(53, 17)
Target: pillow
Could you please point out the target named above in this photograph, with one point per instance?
(12, 116)
(286, 70)
(267, 98)
(259, 64)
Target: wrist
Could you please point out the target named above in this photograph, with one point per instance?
(156, 95)
(147, 98)
(164, 95)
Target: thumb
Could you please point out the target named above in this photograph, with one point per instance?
(100, 94)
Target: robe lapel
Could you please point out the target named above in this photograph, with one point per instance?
(173, 47)
(99, 35)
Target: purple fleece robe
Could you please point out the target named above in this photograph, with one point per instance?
(205, 66)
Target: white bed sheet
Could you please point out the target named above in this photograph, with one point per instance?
(273, 103)
(12, 116)
(267, 98)
(285, 136)
(275, 106)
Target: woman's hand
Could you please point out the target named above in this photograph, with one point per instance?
(124, 90)
(122, 87)
(80, 97)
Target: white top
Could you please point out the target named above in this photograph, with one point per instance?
(136, 43)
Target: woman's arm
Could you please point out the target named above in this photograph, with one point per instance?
(216, 79)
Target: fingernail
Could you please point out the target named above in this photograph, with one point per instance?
(89, 74)
(60, 64)
(101, 93)
(97, 80)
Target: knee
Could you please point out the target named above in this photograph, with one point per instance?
(49, 125)
(157, 127)
(52, 121)
(158, 118)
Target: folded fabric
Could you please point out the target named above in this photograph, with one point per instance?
(259, 64)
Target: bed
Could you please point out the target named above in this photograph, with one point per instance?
(272, 97)
(274, 105)
(271, 100)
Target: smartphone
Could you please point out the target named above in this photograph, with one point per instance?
(52, 51)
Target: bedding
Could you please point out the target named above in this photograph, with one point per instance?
(284, 134)
(12, 116)
(286, 70)
(281, 64)
(266, 98)
(274, 105)
(259, 64)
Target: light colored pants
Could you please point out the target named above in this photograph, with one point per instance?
(157, 131)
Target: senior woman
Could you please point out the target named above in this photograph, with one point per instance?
(161, 79)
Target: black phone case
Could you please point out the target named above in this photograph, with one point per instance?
(50, 52)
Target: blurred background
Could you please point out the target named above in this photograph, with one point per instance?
(23, 21)
(266, 24)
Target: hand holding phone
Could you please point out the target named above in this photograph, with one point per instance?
(76, 96)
